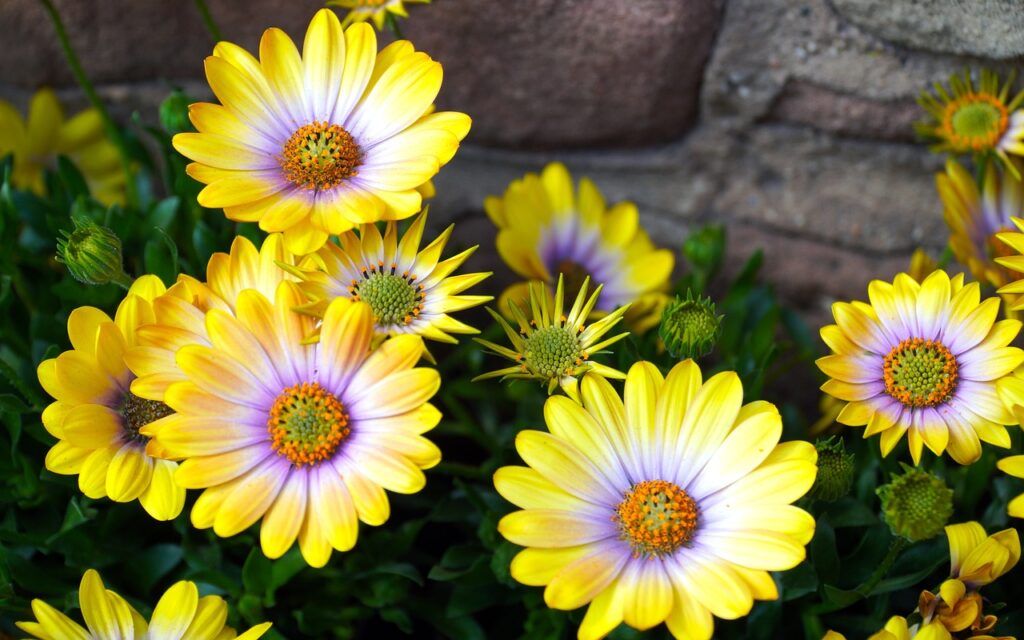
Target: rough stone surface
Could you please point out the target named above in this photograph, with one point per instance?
(988, 28)
(802, 102)
(557, 73)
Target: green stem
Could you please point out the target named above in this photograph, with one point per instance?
(90, 92)
(123, 280)
(392, 22)
(208, 21)
(895, 549)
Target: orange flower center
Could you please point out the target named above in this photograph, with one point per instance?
(920, 373)
(656, 518)
(975, 121)
(320, 156)
(307, 424)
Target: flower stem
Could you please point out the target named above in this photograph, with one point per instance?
(899, 543)
(392, 22)
(113, 132)
(208, 21)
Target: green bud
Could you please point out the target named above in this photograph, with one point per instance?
(835, 470)
(92, 253)
(704, 248)
(689, 327)
(916, 505)
(174, 112)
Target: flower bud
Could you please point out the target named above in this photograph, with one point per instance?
(689, 327)
(92, 253)
(916, 505)
(835, 470)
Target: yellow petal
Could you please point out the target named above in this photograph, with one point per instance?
(163, 499)
(129, 473)
(583, 580)
(174, 612)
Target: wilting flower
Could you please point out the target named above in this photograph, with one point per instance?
(37, 141)
(315, 144)
(916, 504)
(552, 346)
(975, 219)
(409, 290)
(306, 437)
(546, 229)
(1014, 466)
(973, 118)
(97, 419)
(923, 359)
(376, 10)
(179, 615)
(670, 504)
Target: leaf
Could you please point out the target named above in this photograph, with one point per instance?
(74, 516)
(257, 572)
(151, 565)
(840, 597)
(71, 178)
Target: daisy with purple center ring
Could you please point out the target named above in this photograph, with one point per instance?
(923, 360)
(305, 437)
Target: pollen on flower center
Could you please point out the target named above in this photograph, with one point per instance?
(553, 351)
(656, 517)
(975, 121)
(137, 412)
(920, 373)
(307, 424)
(320, 156)
(395, 298)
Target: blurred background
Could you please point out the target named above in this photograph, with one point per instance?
(788, 120)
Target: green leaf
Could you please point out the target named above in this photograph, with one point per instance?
(257, 572)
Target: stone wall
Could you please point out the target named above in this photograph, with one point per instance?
(790, 120)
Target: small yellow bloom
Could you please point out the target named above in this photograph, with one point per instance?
(976, 559)
(921, 265)
(552, 346)
(974, 118)
(376, 10)
(830, 408)
(97, 419)
(1014, 466)
(409, 290)
(37, 141)
(316, 143)
(180, 613)
(547, 228)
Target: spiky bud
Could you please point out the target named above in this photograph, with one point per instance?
(835, 470)
(916, 505)
(92, 253)
(690, 327)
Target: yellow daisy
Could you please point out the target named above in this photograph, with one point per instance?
(96, 418)
(1012, 258)
(552, 346)
(975, 218)
(974, 118)
(317, 143)
(546, 228)
(306, 437)
(37, 141)
(923, 360)
(179, 615)
(897, 629)
(409, 291)
(376, 10)
(1014, 466)
(670, 504)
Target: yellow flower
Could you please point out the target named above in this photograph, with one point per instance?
(974, 118)
(306, 437)
(1014, 466)
(546, 229)
(37, 141)
(923, 360)
(686, 450)
(97, 419)
(552, 346)
(921, 265)
(409, 291)
(315, 144)
(976, 559)
(179, 614)
(830, 409)
(976, 219)
(896, 629)
(377, 10)
(1012, 258)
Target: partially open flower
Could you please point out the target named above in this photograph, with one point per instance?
(916, 505)
(690, 327)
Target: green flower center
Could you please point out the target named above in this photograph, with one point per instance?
(656, 517)
(916, 505)
(553, 351)
(975, 121)
(920, 373)
(395, 299)
(320, 156)
(137, 412)
(307, 424)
